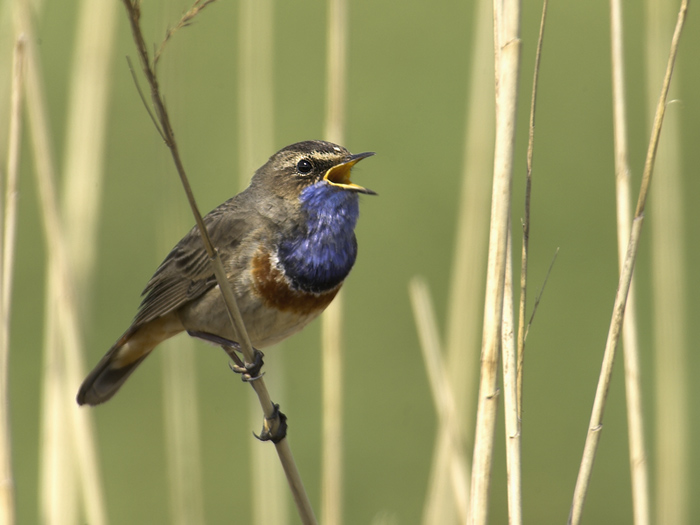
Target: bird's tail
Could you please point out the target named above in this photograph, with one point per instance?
(121, 360)
(109, 374)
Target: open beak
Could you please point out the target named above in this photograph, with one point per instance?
(339, 175)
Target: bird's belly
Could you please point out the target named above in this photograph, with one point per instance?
(266, 322)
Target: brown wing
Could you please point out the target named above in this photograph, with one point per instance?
(185, 274)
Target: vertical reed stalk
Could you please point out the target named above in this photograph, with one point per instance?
(183, 451)
(256, 85)
(522, 328)
(596, 421)
(256, 130)
(466, 280)
(86, 138)
(182, 445)
(58, 483)
(70, 429)
(86, 131)
(510, 398)
(8, 230)
(507, 60)
(673, 484)
(332, 319)
(62, 333)
(635, 420)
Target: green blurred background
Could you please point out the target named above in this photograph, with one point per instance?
(408, 84)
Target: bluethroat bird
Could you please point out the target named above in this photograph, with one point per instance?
(287, 243)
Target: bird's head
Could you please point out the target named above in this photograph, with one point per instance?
(314, 162)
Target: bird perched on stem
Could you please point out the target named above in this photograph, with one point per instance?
(287, 243)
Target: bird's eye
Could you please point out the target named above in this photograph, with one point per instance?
(304, 166)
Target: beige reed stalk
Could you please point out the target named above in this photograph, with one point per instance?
(181, 409)
(66, 423)
(507, 60)
(67, 433)
(596, 421)
(332, 318)
(635, 421)
(450, 436)
(83, 172)
(182, 437)
(8, 230)
(466, 281)
(162, 121)
(673, 487)
(510, 398)
(256, 143)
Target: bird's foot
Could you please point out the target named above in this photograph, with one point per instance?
(278, 422)
(249, 371)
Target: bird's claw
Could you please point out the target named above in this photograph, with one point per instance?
(249, 371)
(280, 431)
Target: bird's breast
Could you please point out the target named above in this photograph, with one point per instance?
(276, 290)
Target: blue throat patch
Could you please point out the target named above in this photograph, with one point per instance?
(320, 256)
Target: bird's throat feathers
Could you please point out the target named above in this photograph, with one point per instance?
(321, 254)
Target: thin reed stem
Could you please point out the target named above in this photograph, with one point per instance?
(522, 332)
(596, 422)
(182, 435)
(69, 455)
(255, 142)
(507, 60)
(272, 420)
(80, 205)
(332, 319)
(67, 426)
(673, 490)
(450, 435)
(466, 288)
(635, 420)
(8, 231)
(510, 399)
(181, 405)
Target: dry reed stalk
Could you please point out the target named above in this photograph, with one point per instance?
(183, 451)
(635, 420)
(507, 60)
(596, 422)
(450, 435)
(8, 230)
(57, 478)
(466, 280)
(673, 491)
(255, 86)
(510, 398)
(86, 137)
(182, 444)
(522, 327)
(271, 416)
(256, 141)
(83, 171)
(332, 422)
(332, 318)
(69, 453)
(69, 424)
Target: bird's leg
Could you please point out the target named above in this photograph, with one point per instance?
(268, 424)
(249, 371)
